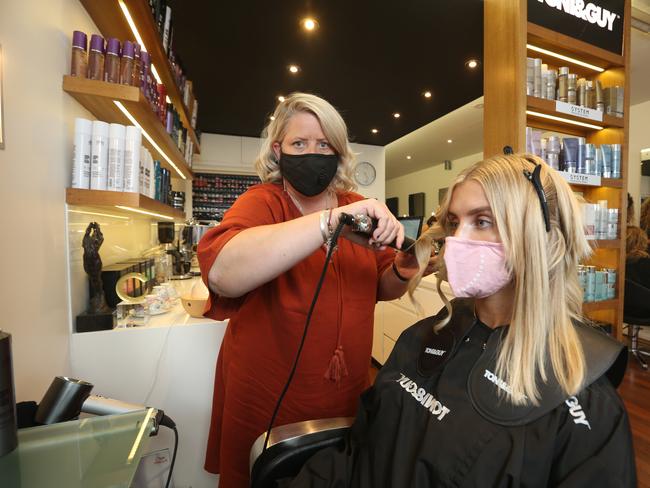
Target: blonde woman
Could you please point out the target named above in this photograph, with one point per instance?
(262, 264)
(506, 387)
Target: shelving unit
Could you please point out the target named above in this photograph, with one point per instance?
(112, 22)
(113, 199)
(99, 98)
(507, 115)
(213, 194)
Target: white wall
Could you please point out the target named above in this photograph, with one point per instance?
(36, 166)
(637, 185)
(429, 181)
(236, 155)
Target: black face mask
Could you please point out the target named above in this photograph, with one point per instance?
(309, 174)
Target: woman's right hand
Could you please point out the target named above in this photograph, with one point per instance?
(388, 228)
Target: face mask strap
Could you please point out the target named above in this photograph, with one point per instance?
(536, 180)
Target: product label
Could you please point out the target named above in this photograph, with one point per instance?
(580, 179)
(584, 112)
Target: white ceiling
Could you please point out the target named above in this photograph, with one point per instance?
(428, 145)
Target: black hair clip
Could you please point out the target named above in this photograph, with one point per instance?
(536, 180)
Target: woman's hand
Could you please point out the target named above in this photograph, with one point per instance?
(388, 228)
(407, 264)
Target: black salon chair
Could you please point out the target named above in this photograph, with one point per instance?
(636, 314)
(290, 446)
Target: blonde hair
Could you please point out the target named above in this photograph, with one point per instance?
(333, 126)
(548, 296)
(636, 242)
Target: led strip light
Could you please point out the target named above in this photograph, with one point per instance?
(564, 58)
(100, 214)
(561, 119)
(145, 212)
(134, 29)
(149, 138)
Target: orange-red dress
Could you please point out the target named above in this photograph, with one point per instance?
(265, 328)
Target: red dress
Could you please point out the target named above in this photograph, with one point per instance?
(265, 328)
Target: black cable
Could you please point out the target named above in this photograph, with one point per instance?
(332, 245)
(170, 424)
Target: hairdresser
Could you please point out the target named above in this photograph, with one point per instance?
(262, 265)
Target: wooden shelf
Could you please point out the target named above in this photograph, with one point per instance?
(606, 244)
(602, 305)
(547, 107)
(101, 198)
(109, 18)
(99, 97)
(574, 48)
(604, 182)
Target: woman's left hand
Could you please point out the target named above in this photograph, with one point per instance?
(407, 264)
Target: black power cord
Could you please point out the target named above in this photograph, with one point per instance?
(170, 424)
(343, 220)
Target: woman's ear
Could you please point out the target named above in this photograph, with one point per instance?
(277, 150)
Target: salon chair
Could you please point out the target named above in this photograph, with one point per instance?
(636, 314)
(290, 446)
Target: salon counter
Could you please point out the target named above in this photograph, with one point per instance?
(168, 364)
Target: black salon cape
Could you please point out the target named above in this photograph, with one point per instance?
(397, 441)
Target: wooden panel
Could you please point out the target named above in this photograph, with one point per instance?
(100, 198)
(110, 20)
(99, 96)
(568, 46)
(603, 305)
(504, 76)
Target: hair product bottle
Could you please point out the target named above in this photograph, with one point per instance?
(81, 153)
(132, 159)
(117, 134)
(79, 62)
(99, 162)
(112, 61)
(96, 58)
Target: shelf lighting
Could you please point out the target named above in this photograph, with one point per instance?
(137, 210)
(148, 137)
(564, 58)
(562, 119)
(136, 34)
(100, 214)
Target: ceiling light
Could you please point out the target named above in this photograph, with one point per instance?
(374, 131)
(140, 211)
(427, 94)
(148, 137)
(309, 24)
(396, 115)
(449, 141)
(472, 63)
(280, 99)
(562, 119)
(294, 69)
(564, 58)
(408, 157)
(272, 117)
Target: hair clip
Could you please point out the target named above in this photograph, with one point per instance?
(536, 180)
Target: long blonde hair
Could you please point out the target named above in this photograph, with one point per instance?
(548, 296)
(333, 126)
(636, 242)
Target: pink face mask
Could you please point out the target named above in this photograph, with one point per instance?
(475, 268)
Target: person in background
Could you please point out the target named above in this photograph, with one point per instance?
(505, 386)
(644, 217)
(262, 264)
(637, 262)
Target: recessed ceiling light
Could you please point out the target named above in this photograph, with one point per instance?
(294, 69)
(272, 117)
(408, 157)
(449, 141)
(374, 131)
(280, 99)
(472, 63)
(396, 115)
(309, 24)
(427, 94)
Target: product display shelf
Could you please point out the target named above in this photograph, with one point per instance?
(111, 199)
(99, 98)
(505, 118)
(547, 107)
(112, 22)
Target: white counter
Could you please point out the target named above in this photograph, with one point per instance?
(168, 364)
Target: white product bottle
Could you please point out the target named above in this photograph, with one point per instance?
(132, 159)
(116, 136)
(99, 161)
(146, 186)
(144, 155)
(81, 153)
